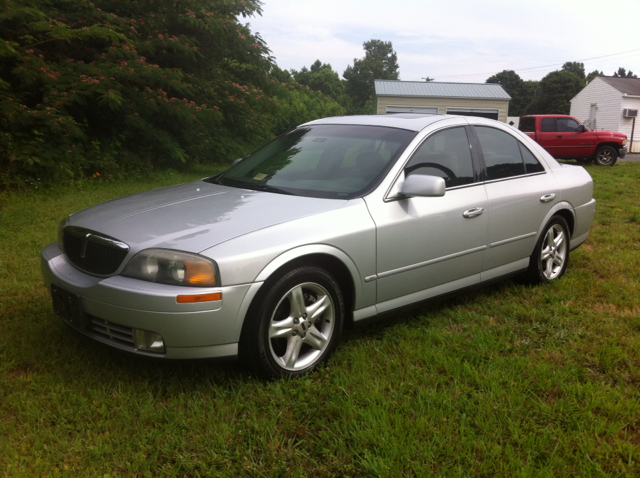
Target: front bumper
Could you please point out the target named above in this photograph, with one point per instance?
(622, 152)
(110, 309)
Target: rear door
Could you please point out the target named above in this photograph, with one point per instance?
(520, 193)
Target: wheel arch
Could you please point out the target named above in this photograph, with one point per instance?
(563, 209)
(333, 260)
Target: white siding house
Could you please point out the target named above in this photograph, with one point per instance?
(600, 105)
(488, 100)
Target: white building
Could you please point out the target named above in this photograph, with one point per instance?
(612, 104)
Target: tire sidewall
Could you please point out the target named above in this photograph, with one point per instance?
(255, 342)
(614, 155)
(535, 272)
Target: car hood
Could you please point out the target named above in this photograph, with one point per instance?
(602, 134)
(194, 216)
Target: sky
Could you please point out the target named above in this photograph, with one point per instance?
(462, 41)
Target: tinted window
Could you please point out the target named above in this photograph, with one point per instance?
(445, 154)
(527, 124)
(501, 153)
(547, 125)
(566, 125)
(531, 164)
(331, 161)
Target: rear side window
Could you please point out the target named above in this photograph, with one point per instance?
(501, 153)
(531, 164)
(528, 125)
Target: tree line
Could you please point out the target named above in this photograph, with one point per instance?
(105, 87)
(553, 93)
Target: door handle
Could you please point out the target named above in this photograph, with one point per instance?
(473, 212)
(547, 197)
(559, 136)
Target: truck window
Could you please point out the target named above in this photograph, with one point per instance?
(566, 125)
(547, 125)
(528, 125)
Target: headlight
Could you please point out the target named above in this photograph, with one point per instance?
(61, 225)
(173, 267)
(624, 141)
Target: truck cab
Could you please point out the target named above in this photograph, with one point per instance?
(564, 137)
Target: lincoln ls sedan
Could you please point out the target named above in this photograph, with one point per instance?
(337, 221)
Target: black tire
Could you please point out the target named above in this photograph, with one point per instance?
(287, 332)
(551, 255)
(606, 156)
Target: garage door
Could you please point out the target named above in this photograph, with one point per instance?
(430, 110)
(482, 112)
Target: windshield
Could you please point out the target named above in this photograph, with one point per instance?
(329, 161)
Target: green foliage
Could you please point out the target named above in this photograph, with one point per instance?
(592, 75)
(574, 67)
(321, 77)
(515, 87)
(622, 73)
(379, 63)
(163, 83)
(554, 92)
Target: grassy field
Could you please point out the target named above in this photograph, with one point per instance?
(511, 380)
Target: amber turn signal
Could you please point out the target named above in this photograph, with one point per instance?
(186, 299)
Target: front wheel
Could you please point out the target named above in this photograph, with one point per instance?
(551, 255)
(294, 324)
(606, 156)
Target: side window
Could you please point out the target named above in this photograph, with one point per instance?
(501, 153)
(445, 154)
(566, 125)
(531, 164)
(527, 125)
(547, 125)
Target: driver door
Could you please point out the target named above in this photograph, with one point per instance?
(427, 246)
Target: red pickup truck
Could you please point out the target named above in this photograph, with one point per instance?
(564, 137)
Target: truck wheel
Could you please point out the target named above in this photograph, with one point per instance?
(606, 156)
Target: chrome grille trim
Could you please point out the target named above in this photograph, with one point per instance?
(92, 252)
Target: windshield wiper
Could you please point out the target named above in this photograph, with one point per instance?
(264, 187)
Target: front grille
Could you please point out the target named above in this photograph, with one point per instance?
(111, 333)
(92, 252)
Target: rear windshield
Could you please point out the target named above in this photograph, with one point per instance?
(329, 161)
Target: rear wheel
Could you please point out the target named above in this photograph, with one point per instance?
(551, 255)
(294, 324)
(606, 156)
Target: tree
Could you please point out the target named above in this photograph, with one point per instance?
(321, 77)
(515, 87)
(554, 92)
(379, 63)
(591, 76)
(574, 67)
(162, 82)
(622, 73)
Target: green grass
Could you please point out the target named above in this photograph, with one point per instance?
(508, 381)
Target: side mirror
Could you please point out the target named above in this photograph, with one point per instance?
(581, 129)
(422, 185)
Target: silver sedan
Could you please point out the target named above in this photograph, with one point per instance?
(340, 220)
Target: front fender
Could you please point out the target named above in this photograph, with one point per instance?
(314, 249)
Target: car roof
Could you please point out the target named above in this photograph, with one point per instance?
(409, 121)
